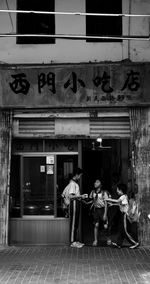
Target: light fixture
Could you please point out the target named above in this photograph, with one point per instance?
(99, 140)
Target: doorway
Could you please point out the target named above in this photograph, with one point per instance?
(65, 167)
(102, 163)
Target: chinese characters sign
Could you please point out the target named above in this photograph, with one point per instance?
(75, 85)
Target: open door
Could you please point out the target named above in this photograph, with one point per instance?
(96, 165)
(103, 164)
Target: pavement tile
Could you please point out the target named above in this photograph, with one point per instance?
(67, 265)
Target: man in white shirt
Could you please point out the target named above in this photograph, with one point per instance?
(72, 198)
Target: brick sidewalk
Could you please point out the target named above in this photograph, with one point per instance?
(67, 265)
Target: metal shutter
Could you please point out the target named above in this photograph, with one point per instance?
(116, 127)
(33, 127)
(106, 124)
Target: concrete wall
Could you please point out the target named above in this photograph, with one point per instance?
(142, 171)
(77, 51)
(5, 148)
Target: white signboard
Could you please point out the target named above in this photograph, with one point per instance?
(50, 160)
(42, 169)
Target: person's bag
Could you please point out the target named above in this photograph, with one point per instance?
(66, 200)
(65, 196)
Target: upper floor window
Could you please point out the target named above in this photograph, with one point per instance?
(104, 25)
(31, 23)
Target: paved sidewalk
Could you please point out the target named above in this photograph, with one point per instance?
(67, 265)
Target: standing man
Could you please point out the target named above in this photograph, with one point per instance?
(72, 194)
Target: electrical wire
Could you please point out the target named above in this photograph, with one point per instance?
(68, 36)
(77, 37)
(73, 13)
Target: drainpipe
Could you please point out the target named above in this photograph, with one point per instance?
(129, 26)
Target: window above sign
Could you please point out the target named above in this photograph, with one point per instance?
(29, 23)
(104, 25)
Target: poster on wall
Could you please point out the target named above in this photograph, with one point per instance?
(50, 160)
(50, 169)
(42, 169)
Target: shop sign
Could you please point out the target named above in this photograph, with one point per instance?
(38, 145)
(75, 85)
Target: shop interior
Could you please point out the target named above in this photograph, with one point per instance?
(39, 174)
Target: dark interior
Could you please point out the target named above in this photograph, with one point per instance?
(103, 164)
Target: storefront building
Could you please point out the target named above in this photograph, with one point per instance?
(65, 80)
(51, 118)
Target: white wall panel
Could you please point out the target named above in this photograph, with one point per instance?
(77, 51)
(72, 127)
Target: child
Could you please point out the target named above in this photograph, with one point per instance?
(133, 216)
(123, 233)
(113, 209)
(99, 205)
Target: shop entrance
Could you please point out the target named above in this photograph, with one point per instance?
(39, 173)
(104, 163)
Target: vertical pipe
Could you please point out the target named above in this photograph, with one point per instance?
(129, 28)
(55, 185)
(80, 165)
(8, 173)
(22, 186)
